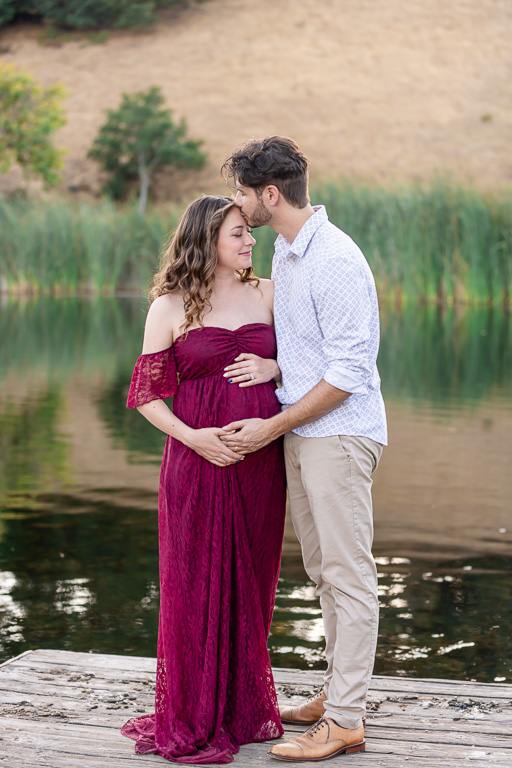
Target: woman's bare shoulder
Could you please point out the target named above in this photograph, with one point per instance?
(264, 293)
(264, 284)
(163, 316)
(167, 302)
(267, 288)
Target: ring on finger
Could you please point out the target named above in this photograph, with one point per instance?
(251, 377)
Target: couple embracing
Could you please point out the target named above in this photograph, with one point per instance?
(244, 409)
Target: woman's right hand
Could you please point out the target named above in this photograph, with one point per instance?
(207, 443)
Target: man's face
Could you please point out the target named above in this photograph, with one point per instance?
(252, 206)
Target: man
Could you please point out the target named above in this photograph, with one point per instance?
(327, 328)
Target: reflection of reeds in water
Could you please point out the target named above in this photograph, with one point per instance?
(33, 454)
(442, 244)
(427, 354)
(449, 357)
(57, 340)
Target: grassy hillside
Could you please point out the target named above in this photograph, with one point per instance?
(372, 90)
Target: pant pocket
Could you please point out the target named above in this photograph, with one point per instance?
(345, 447)
(376, 451)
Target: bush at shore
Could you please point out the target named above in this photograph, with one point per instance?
(443, 244)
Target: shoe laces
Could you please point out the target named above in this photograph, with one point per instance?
(314, 697)
(318, 727)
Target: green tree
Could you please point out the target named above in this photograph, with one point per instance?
(140, 138)
(30, 115)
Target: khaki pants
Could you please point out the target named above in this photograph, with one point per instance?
(329, 487)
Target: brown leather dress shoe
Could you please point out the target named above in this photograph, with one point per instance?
(324, 740)
(305, 714)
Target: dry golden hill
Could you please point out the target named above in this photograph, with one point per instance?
(371, 89)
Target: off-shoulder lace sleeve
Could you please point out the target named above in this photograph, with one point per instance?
(154, 378)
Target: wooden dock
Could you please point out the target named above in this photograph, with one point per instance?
(64, 710)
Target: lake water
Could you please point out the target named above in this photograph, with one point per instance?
(79, 476)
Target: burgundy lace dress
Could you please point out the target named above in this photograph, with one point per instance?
(220, 538)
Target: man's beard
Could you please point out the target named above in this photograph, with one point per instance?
(260, 216)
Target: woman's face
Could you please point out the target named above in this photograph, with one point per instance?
(234, 246)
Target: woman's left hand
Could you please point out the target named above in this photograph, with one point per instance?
(249, 369)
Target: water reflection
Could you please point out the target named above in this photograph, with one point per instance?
(455, 616)
(80, 581)
(446, 359)
(454, 355)
(90, 583)
(34, 452)
(449, 619)
(78, 481)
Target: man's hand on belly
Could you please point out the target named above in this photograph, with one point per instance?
(254, 434)
(250, 435)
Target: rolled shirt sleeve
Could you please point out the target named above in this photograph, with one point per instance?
(344, 314)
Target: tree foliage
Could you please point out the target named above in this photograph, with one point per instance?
(87, 14)
(9, 8)
(140, 138)
(30, 115)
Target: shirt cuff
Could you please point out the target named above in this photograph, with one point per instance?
(348, 381)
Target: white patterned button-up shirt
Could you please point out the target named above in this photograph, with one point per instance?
(327, 327)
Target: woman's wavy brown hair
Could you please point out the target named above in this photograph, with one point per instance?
(190, 257)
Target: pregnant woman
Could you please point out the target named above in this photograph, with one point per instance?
(221, 515)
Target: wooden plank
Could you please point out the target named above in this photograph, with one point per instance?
(81, 712)
(78, 689)
(312, 679)
(301, 681)
(63, 710)
(16, 658)
(109, 718)
(138, 667)
(84, 742)
(93, 660)
(73, 734)
(26, 757)
(446, 687)
(70, 688)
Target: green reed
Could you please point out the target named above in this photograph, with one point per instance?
(58, 247)
(441, 243)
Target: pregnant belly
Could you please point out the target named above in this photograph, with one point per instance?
(212, 402)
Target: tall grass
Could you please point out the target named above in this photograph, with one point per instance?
(56, 247)
(443, 243)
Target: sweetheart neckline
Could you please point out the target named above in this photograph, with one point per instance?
(215, 327)
(222, 328)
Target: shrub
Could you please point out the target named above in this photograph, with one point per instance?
(140, 138)
(8, 10)
(88, 14)
(29, 117)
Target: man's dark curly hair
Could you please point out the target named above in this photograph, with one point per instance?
(274, 160)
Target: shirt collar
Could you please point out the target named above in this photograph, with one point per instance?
(304, 236)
